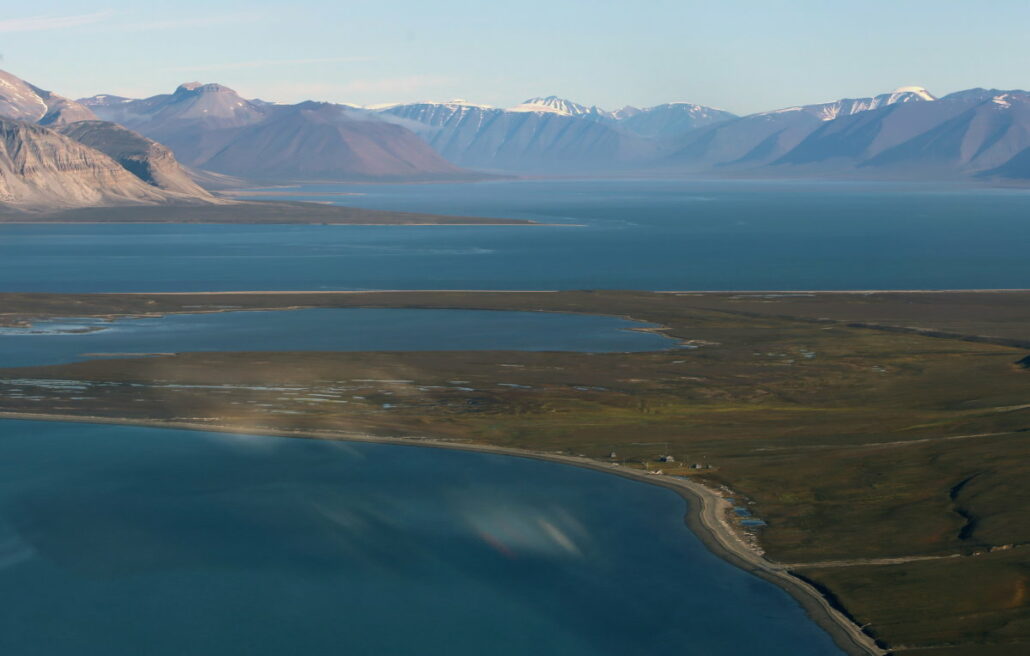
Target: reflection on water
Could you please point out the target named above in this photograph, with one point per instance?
(127, 540)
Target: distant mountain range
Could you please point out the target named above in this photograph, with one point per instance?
(970, 133)
(210, 126)
(767, 137)
(907, 133)
(527, 138)
(109, 149)
(551, 134)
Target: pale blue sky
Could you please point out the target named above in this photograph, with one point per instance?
(740, 55)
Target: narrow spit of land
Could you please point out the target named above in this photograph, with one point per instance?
(247, 212)
(838, 424)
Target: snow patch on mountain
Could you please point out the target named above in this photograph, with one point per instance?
(847, 106)
(539, 108)
(456, 103)
(565, 106)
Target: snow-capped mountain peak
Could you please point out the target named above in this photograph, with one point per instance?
(918, 91)
(538, 107)
(557, 105)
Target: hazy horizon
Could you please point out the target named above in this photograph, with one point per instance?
(739, 56)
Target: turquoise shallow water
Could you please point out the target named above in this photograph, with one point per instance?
(127, 540)
(357, 329)
(629, 234)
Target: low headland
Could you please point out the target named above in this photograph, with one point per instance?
(244, 212)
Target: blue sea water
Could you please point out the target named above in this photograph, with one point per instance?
(118, 540)
(350, 329)
(624, 234)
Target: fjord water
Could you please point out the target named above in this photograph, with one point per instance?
(621, 234)
(121, 540)
(127, 540)
(346, 329)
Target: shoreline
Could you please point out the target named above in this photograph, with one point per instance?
(705, 509)
(492, 224)
(703, 292)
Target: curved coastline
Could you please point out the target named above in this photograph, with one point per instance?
(704, 516)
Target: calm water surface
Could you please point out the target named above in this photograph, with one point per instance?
(127, 540)
(625, 234)
(357, 329)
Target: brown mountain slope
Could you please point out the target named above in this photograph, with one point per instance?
(40, 168)
(146, 159)
(320, 141)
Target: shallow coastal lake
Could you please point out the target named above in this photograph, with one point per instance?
(611, 234)
(349, 329)
(120, 540)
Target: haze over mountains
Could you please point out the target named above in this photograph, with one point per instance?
(113, 150)
(907, 133)
(763, 138)
(210, 126)
(550, 134)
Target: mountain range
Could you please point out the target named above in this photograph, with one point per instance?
(55, 153)
(210, 126)
(58, 160)
(908, 133)
(109, 149)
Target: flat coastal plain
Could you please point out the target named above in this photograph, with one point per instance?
(871, 448)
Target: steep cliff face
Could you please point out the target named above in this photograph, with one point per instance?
(42, 168)
(146, 159)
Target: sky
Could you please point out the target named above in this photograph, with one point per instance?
(740, 55)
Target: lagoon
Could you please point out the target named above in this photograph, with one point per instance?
(56, 341)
